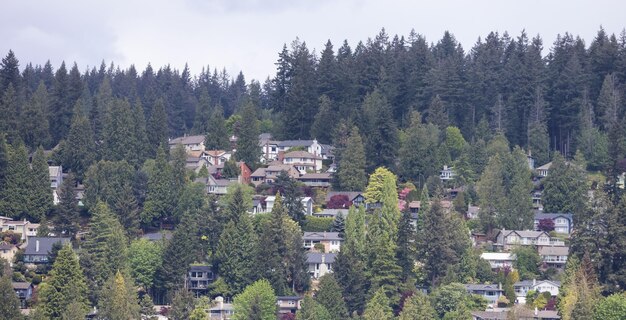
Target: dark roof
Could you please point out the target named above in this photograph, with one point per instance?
(294, 143)
(490, 315)
(157, 236)
(539, 216)
(45, 245)
(6, 246)
(314, 257)
(315, 176)
(201, 268)
(351, 194)
(482, 287)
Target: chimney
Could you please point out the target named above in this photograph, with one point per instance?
(37, 246)
(534, 282)
(323, 258)
(499, 286)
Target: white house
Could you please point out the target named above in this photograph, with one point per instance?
(307, 203)
(320, 263)
(554, 257)
(499, 259)
(447, 173)
(23, 227)
(543, 170)
(271, 148)
(56, 179)
(303, 161)
(330, 240)
(508, 239)
(522, 288)
(491, 292)
(191, 143)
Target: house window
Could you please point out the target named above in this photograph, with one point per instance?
(334, 243)
(560, 221)
(11, 227)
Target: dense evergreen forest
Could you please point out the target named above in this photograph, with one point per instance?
(396, 110)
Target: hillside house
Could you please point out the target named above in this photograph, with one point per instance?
(491, 292)
(24, 292)
(320, 180)
(563, 222)
(191, 143)
(268, 175)
(447, 174)
(303, 161)
(555, 257)
(198, 279)
(499, 260)
(331, 241)
(509, 239)
(23, 227)
(7, 252)
(38, 248)
(56, 179)
(356, 197)
(522, 288)
(320, 263)
(288, 304)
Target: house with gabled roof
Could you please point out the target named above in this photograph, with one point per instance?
(554, 257)
(37, 249)
(268, 175)
(320, 263)
(356, 197)
(509, 239)
(319, 180)
(563, 222)
(499, 260)
(303, 161)
(491, 292)
(331, 241)
(191, 143)
(522, 288)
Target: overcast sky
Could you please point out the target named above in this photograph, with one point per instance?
(247, 35)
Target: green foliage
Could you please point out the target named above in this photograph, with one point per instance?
(378, 307)
(339, 224)
(455, 142)
(236, 253)
(417, 154)
(351, 170)
(216, 133)
(417, 306)
(118, 299)
(160, 198)
(317, 224)
(9, 303)
(565, 188)
(248, 149)
(381, 142)
(41, 197)
(451, 298)
(612, 307)
(311, 310)
(289, 188)
(182, 305)
(79, 149)
(65, 288)
(257, 301)
(527, 262)
(329, 296)
(17, 193)
(66, 220)
(157, 128)
(323, 123)
(231, 169)
(144, 258)
(105, 251)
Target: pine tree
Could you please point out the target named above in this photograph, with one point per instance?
(118, 300)
(9, 72)
(79, 150)
(202, 115)
(41, 197)
(9, 303)
(236, 253)
(339, 225)
(34, 126)
(182, 305)
(216, 133)
(564, 188)
(291, 193)
(351, 170)
(257, 301)
(17, 192)
(329, 296)
(105, 251)
(10, 108)
(160, 199)
(405, 252)
(437, 113)
(141, 148)
(66, 220)
(378, 307)
(272, 255)
(65, 287)
(158, 130)
(416, 155)
(118, 132)
(417, 307)
(382, 136)
(248, 149)
(323, 125)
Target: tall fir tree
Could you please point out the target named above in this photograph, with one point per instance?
(322, 127)
(118, 299)
(10, 108)
(41, 196)
(67, 214)
(248, 149)
(79, 150)
(9, 303)
(378, 308)
(17, 191)
(351, 173)
(160, 200)
(34, 126)
(65, 288)
(158, 130)
(272, 257)
(329, 296)
(216, 134)
(564, 187)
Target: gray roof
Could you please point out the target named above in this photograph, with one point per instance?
(201, 268)
(523, 233)
(45, 245)
(6, 246)
(332, 212)
(315, 176)
(528, 283)
(482, 287)
(319, 236)
(187, 140)
(539, 216)
(490, 315)
(288, 298)
(294, 143)
(314, 257)
(301, 154)
(553, 251)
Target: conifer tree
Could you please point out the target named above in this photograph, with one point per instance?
(216, 134)
(351, 169)
(248, 149)
(118, 132)
(272, 255)
(323, 125)
(65, 287)
(382, 136)
(9, 71)
(66, 220)
(142, 144)
(79, 150)
(202, 115)
(9, 303)
(105, 250)
(437, 113)
(158, 129)
(160, 199)
(34, 126)
(118, 300)
(182, 305)
(339, 224)
(10, 109)
(378, 307)
(17, 192)
(41, 197)
(564, 187)
(405, 252)
(329, 296)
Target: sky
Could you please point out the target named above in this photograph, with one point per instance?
(246, 35)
